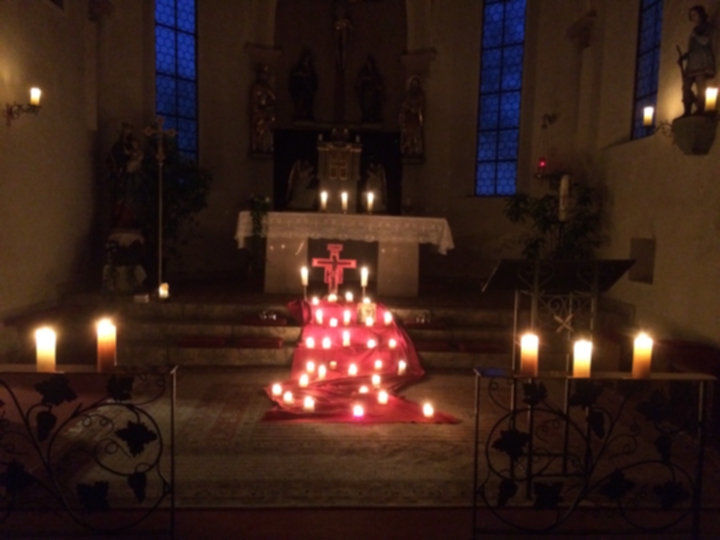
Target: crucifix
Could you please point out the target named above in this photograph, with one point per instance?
(334, 267)
(158, 131)
(342, 26)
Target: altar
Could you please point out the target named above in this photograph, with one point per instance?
(398, 239)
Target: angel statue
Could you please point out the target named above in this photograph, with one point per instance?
(301, 190)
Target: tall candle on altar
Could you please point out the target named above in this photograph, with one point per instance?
(45, 349)
(323, 200)
(529, 355)
(370, 200)
(304, 275)
(106, 345)
(344, 199)
(582, 357)
(642, 356)
(363, 276)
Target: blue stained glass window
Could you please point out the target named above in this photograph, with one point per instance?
(501, 74)
(176, 70)
(648, 63)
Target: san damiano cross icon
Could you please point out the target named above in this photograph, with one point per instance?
(334, 267)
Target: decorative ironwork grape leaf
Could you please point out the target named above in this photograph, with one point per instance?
(670, 493)
(506, 491)
(534, 393)
(138, 482)
(45, 423)
(512, 442)
(15, 479)
(617, 486)
(547, 496)
(136, 435)
(664, 446)
(657, 408)
(56, 390)
(596, 421)
(120, 388)
(94, 497)
(586, 394)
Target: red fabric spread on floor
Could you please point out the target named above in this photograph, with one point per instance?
(338, 393)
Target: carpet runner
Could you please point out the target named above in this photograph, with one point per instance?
(350, 364)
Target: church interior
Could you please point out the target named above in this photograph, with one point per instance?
(177, 163)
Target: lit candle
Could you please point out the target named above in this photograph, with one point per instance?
(323, 200)
(346, 338)
(352, 370)
(315, 301)
(304, 380)
(428, 410)
(309, 403)
(310, 366)
(35, 94)
(276, 389)
(333, 322)
(392, 343)
(582, 356)
(45, 349)
(402, 367)
(642, 357)
(372, 343)
(369, 321)
(288, 397)
(366, 300)
(322, 371)
(346, 317)
(310, 343)
(370, 200)
(358, 411)
(333, 364)
(648, 113)
(378, 364)
(106, 345)
(387, 317)
(375, 379)
(711, 94)
(344, 198)
(326, 343)
(363, 389)
(304, 275)
(529, 355)
(349, 296)
(332, 297)
(382, 397)
(164, 291)
(363, 277)
(319, 316)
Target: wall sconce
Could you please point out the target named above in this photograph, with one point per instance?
(13, 112)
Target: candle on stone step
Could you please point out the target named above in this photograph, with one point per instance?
(322, 371)
(402, 367)
(529, 355)
(319, 316)
(582, 357)
(288, 397)
(363, 277)
(276, 389)
(326, 343)
(304, 275)
(309, 404)
(315, 300)
(333, 364)
(358, 411)
(310, 342)
(106, 345)
(310, 366)
(363, 389)
(349, 296)
(164, 291)
(346, 338)
(388, 318)
(378, 364)
(323, 200)
(428, 410)
(711, 94)
(346, 317)
(333, 322)
(45, 339)
(352, 370)
(371, 343)
(304, 380)
(382, 397)
(375, 380)
(642, 356)
(332, 297)
(392, 343)
(369, 321)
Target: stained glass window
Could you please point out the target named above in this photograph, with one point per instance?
(648, 63)
(501, 69)
(176, 71)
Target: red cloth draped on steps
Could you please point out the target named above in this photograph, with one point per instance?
(337, 393)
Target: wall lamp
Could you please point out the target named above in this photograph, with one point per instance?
(13, 112)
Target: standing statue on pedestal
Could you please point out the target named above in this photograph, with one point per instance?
(412, 113)
(699, 62)
(262, 113)
(303, 85)
(301, 191)
(369, 92)
(124, 167)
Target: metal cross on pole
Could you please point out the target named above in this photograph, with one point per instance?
(158, 131)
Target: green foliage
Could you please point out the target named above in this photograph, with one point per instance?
(546, 237)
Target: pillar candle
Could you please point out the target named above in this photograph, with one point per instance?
(323, 200)
(45, 349)
(363, 277)
(333, 322)
(529, 355)
(276, 389)
(288, 397)
(304, 275)
(352, 370)
(402, 367)
(349, 296)
(369, 321)
(106, 345)
(375, 379)
(642, 357)
(304, 380)
(309, 403)
(371, 343)
(310, 366)
(428, 410)
(310, 343)
(346, 338)
(382, 397)
(392, 343)
(387, 317)
(358, 411)
(648, 113)
(322, 371)
(35, 94)
(378, 364)
(370, 200)
(711, 94)
(326, 343)
(344, 198)
(319, 316)
(363, 389)
(582, 357)
(164, 291)
(315, 301)
(332, 297)
(346, 317)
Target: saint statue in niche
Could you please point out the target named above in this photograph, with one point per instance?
(303, 85)
(369, 91)
(262, 112)
(302, 186)
(412, 119)
(126, 177)
(698, 62)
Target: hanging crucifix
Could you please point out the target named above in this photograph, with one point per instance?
(334, 267)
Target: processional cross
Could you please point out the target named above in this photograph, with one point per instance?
(334, 267)
(159, 132)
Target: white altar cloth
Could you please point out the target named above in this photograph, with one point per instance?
(398, 238)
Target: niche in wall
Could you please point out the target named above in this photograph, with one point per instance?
(642, 251)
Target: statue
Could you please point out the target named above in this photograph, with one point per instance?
(302, 86)
(412, 118)
(301, 191)
(262, 113)
(376, 182)
(369, 91)
(126, 177)
(699, 61)
(343, 27)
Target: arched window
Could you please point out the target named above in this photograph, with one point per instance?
(648, 63)
(176, 70)
(501, 70)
